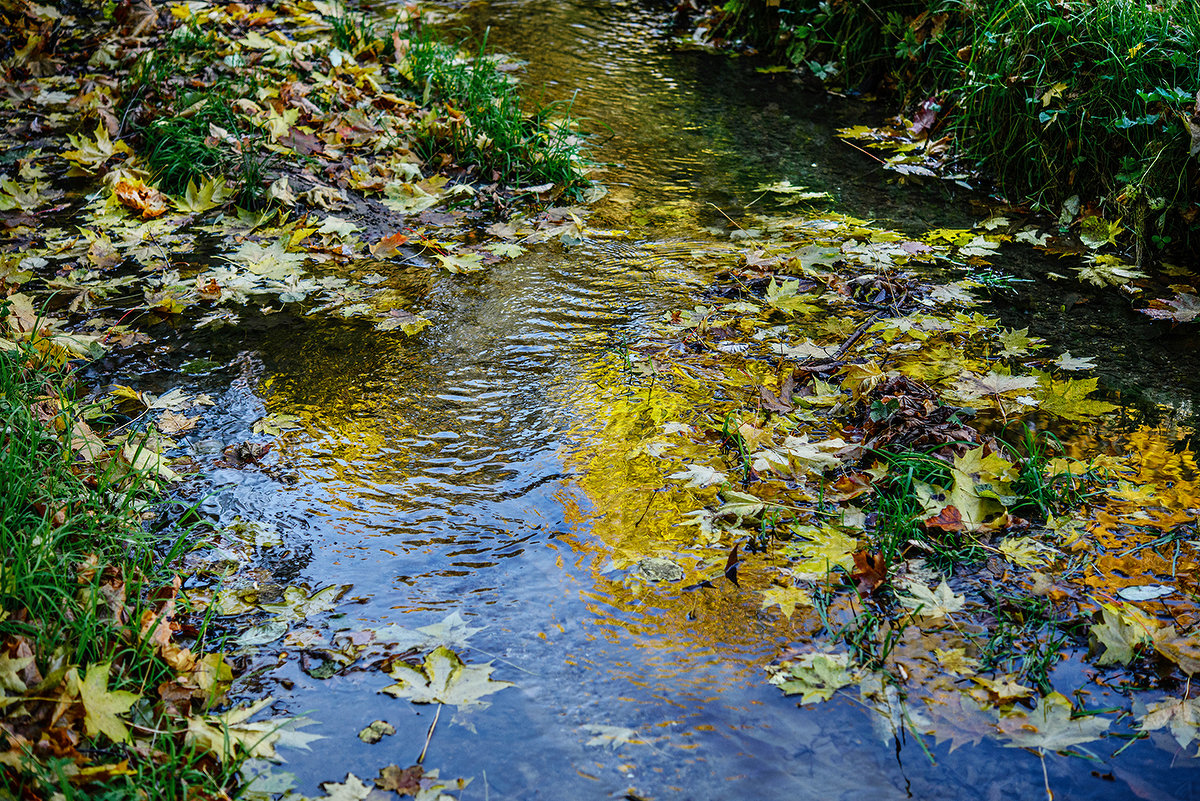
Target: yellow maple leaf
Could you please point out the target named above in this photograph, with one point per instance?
(1068, 399)
(786, 598)
(91, 154)
(102, 708)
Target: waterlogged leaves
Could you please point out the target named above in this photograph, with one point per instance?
(1180, 716)
(452, 632)
(1025, 552)
(1069, 399)
(1122, 631)
(460, 263)
(297, 603)
(375, 731)
(1183, 308)
(1051, 726)
(210, 193)
(90, 155)
(935, 603)
(230, 733)
(444, 679)
(700, 476)
(814, 677)
(821, 549)
(609, 736)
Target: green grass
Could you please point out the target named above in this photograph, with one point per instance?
(495, 132)
(1049, 100)
(77, 570)
(179, 148)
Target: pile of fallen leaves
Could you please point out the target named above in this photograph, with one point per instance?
(938, 513)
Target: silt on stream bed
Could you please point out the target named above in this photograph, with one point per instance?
(441, 474)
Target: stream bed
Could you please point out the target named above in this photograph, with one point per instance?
(438, 476)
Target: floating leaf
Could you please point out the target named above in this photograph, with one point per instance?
(786, 598)
(444, 679)
(452, 632)
(931, 603)
(611, 736)
(375, 731)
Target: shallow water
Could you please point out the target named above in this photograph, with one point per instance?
(440, 474)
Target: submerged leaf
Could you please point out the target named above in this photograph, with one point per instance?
(814, 677)
(1051, 726)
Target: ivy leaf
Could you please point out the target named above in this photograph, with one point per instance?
(1050, 726)
(444, 679)
(102, 707)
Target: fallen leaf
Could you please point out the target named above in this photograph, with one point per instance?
(444, 679)
(786, 598)
(103, 707)
(1050, 726)
(375, 731)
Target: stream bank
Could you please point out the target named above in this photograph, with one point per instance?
(468, 487)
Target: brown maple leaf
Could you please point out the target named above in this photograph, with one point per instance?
(870, 571)
(405, 781)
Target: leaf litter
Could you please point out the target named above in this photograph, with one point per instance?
(860, 449)
(901, 484)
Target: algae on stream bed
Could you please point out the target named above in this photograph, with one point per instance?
(572, 524)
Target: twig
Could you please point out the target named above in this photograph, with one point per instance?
(867, 153)
(429, 736)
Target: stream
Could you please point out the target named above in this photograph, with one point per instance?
(438, 474)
